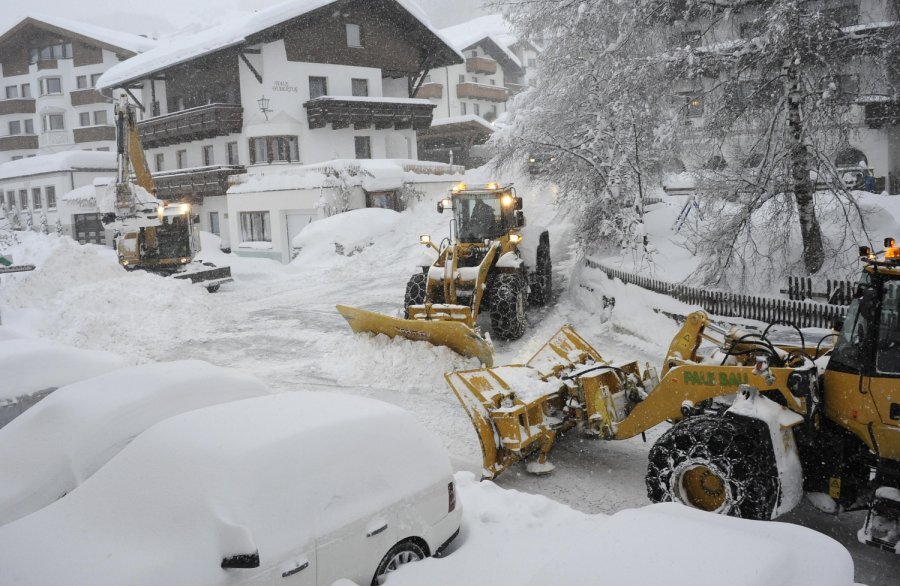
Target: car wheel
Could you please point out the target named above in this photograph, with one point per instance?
(718, 463)
(401, 554)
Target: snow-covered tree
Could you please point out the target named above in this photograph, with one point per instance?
(59, 227)
(29, 220)
(753, 96)
(44, 228)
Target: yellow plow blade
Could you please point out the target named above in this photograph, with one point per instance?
(454, 335)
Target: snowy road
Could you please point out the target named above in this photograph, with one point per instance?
(279, 323)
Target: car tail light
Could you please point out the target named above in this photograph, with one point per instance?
(451, 495)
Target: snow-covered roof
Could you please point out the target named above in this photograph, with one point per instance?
(112, 38)
(467, 120)
(232, 34)
(490, 28)
(64, 161)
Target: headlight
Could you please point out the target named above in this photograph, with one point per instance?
(506, 200)
(424, 238)
(184, 261)
(515, 238)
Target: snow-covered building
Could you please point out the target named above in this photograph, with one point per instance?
(872, 141)
(303, 82)
(49, 102)
(35, 193)
(496, 68)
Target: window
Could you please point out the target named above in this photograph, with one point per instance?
(462, 78)
(160, 162)
(23, 199)
(354, 37)
(462, 108)
(474, 79)
(100, 117)
(94, 78)
(12, 92)
(474, 53)
(50, 86)
(81, 82)
(233, 154)
(180, 159)
(360, 87)
(51, 196)
(255, 227)
(15, 127)
(36, 198)
(363, 147)
(694, 107)
(53, 122)
(11, 198)
(208, 155)
(477, 108)
(84, 119)
(318, 87)
(3, 201)
(50, 52)
(531, 62)
(214, 223)
(26, 90)
(842, 86)
(269, 149)
(493, 82)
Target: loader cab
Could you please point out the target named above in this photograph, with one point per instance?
(485, 213)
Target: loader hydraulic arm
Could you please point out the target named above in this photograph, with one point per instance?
(130, 155)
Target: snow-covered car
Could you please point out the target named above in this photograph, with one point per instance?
(26, 374)
(296, 488)
(59, 443)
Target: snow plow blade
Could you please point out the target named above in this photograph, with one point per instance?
(453, 334)
(209, 276)
(510, 406)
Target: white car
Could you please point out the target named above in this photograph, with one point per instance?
(59, 443)
(292, 489)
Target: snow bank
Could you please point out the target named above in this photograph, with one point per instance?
(79, 295)
(511, 538)
(224, 480)
(56, 445)
(28, 365)
(346, 233)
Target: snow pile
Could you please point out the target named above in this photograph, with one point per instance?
(511, 538)
(29, 365)
(56, 445)
(347, 233)
(225, 480)
(79, 295)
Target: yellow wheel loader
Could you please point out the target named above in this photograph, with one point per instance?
(491, 261)
(151, 235)
(754, 423)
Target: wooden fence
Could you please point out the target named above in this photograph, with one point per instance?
(804, 314)
(836, 292)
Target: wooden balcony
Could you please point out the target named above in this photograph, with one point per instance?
(88, 96)
(478, 91)
(481, 65)
(47, 64)
(194, 124)
(431, 90)
(18, 142)
(17, 106)
(94, 133)
(342, 111)
(194, 184)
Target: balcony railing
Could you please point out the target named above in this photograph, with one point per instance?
(341, 112)
(17, 106)
(88, 96)
(481, 65)
(431, 90)
(18, 142)
(193, 124)
(94, 133)
(479, 91)
(194, 184)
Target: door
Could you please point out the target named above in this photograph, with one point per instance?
(214, 223)
(295, 221)
(88, 229)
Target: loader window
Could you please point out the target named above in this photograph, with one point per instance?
(172, 238)
(848, 350)
(480, 217)
(887, 358)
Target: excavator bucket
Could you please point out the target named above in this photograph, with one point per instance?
(511, 407)
(453, 334)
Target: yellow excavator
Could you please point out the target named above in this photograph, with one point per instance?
(491, 261)
(156, 236)
(755, 423)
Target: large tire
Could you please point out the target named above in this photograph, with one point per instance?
(506, 299)
(401, 554)
(415, 292)
(542, 278)
(719, 463)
